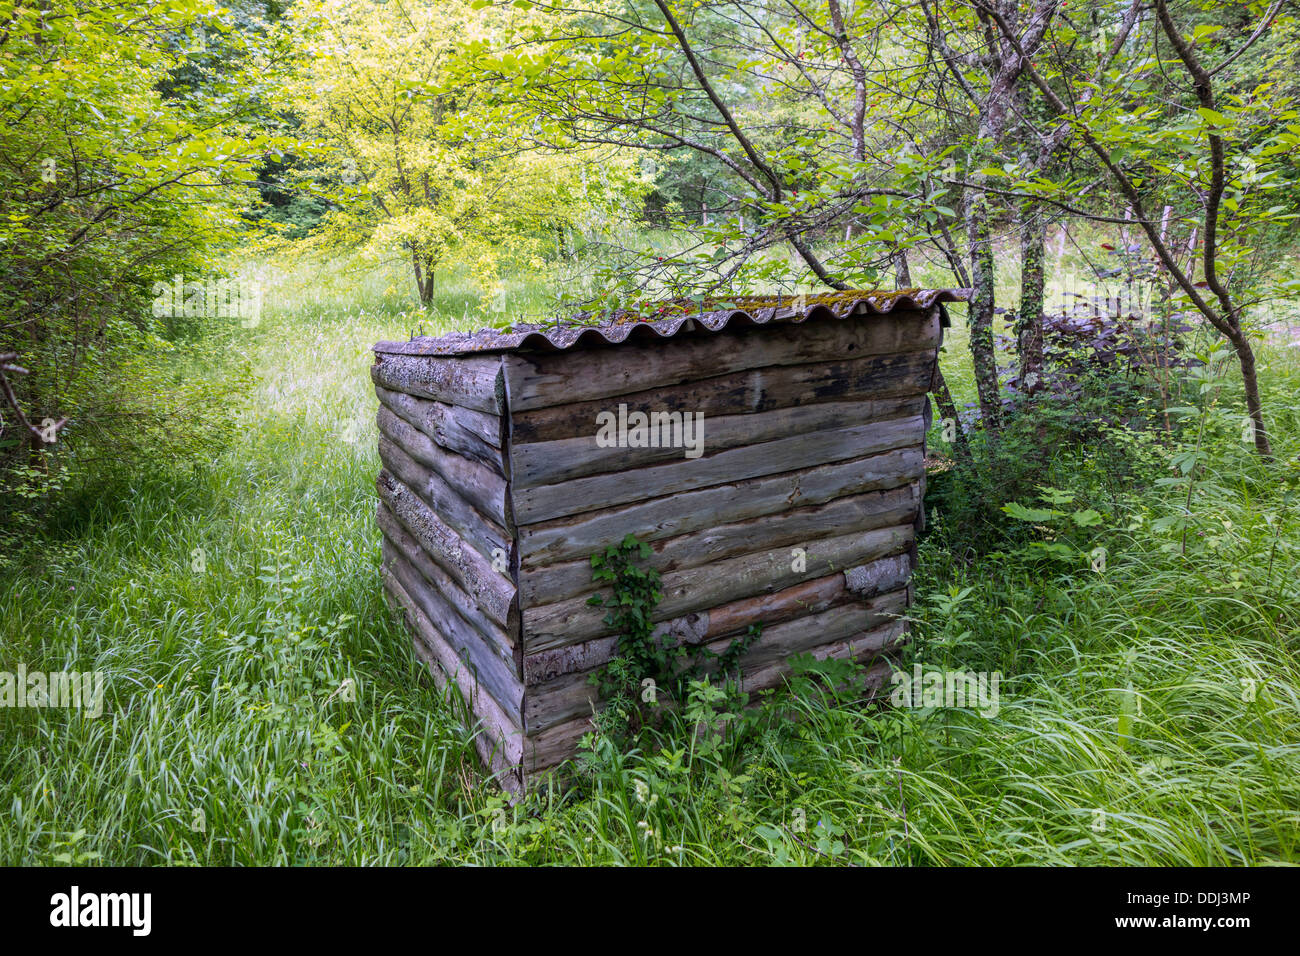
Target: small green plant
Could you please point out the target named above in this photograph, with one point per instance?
(646, 665)
(1059, 527)
(73, 853)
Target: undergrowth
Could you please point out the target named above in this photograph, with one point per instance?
(267, 709)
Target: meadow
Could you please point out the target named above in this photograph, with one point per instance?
(264, 707)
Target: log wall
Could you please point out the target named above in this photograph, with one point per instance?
(495, 493)
(448, 536)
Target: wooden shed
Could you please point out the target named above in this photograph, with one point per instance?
(509, 458)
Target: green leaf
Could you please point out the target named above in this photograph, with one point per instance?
(1021, 513)
(1212, 117)
(1087, 518)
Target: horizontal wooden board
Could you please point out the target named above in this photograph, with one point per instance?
(545, 463)
(875, 509)
(536, 380)
(559, 701)
(796, 453)
(580, 536)
(501, 746)
(492, 590)
(809, 597)
(505, 642)
(469, 479)
(472, 381)
(866, 646)
(482, 533)
(573, 620)
(570, 695)
(879, 576)
(548, 748)
(547, 665)
(471, 434)
(886, 574)
(495, 675)
(781, 641)
(750, 391)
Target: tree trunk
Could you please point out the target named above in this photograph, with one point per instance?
(419, 275)
(948, 409)
(980, 311)
(424, 273)
(1250, 380)
(902, 274)
(1029, 328)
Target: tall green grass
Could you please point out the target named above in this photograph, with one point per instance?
(268, 710)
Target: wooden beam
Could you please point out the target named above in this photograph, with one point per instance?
(750, 391)
(550, 462)
(495, 675)
(482, 533)
(877, 509)
(471, 434)
(536, 380)
(471, 381)
(842, 622)
(573, 620)
(810, 597)
(553, 746)
(492, 590)
(869, 645)
(796, 453)
(505, 642)
(580, 536)
(501, 746)
(468, 479)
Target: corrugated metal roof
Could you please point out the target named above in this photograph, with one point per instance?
(738, 312)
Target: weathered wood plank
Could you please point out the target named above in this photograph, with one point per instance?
(856, 584)
(551, 747)
(876, 509)
(560, 700)
(468, 479)
(504, 642)
(482, 533)
(580, 536)
(547, 665)
(495, 675)
(540, 379)
(751, 391)
(796, 453)
(879, 576)
(544, 463)
(572, 621)
(472, 381)
(782, 641)
(572, 694)
(875, 577)
(492, 590)
(471, 434)
(501, 746)
(561, 711)
(555, 742)
(879, 641)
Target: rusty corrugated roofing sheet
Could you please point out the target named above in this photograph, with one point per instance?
(739, 312)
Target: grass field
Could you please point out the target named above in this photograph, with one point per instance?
(1149, 714)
